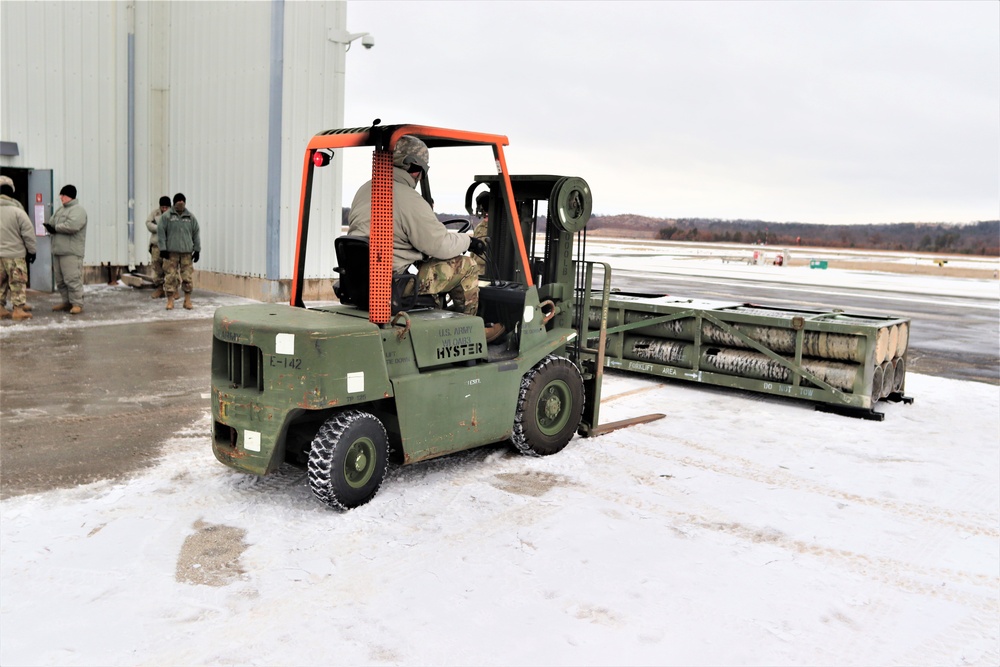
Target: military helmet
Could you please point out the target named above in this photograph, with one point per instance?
(6, 180)
(410, 151)
(483, 203)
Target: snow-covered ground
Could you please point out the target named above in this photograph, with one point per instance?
(740, 529)
(737, 530)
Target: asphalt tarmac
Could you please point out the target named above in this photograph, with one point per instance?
(95, 396)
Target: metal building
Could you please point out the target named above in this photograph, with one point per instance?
(129, 101)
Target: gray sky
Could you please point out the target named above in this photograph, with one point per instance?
(824, 112)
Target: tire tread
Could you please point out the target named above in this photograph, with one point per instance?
(322, 452)
(519, 436)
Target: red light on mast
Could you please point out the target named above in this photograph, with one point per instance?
(321, 158)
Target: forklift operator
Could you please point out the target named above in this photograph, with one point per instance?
(418, 237)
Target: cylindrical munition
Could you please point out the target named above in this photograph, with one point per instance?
(594, 323)
(881, 344)
(680, 329)
(819, 344)
(744, 364)
(904, 335)
(741, 363)
(876, 384)
(825, 345)
(888, 378)
(893, 341)
(834, 373)
(898, 373)
(659, 350)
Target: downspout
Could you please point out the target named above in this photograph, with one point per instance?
(131, 136)
(273, 230)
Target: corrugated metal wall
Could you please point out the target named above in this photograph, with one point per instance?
(219, 73)
(63, 105)
(312, 90)
(202, 73)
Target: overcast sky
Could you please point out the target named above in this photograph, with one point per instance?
(825, 112)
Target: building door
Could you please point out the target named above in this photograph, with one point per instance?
(33, 188)
(39, 208)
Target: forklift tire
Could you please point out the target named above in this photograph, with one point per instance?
(549, 407)
(348, 459)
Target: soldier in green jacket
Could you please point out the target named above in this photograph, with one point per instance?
(68, 228)
(180, 247)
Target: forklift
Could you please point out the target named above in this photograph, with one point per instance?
(386, 374)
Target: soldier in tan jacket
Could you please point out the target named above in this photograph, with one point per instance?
(155, 260)
(17, 250)
(419, 238)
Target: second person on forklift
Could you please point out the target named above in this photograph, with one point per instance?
(419, 238)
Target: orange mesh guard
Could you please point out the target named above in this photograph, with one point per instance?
(380, 242)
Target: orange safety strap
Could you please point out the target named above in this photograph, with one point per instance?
(380, 240)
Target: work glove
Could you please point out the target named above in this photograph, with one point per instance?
(49, 228)
(194, 256)
(30, 257)
(478, 246)
(164, 255)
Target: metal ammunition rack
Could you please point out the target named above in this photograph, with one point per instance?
(845, 363)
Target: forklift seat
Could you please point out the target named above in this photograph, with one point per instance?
(353, 269)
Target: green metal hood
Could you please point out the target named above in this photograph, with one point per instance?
(312, 359)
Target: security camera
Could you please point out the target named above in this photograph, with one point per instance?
(368, 41)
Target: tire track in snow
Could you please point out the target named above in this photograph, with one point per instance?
(973, 523)
(936, 582)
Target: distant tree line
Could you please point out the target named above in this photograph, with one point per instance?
(977, 238)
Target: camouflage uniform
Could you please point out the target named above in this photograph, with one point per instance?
(178, 271)
(178, 234)
(480, 233)
(457, 277)
(154, 249)
(156, 262)
(11, 273)
(14, 279)
(17, 239)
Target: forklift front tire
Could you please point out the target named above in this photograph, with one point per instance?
(549, 407)
(348, 459)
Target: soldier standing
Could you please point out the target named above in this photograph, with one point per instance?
(154, 248)
(68, 228)
(6, 180)
(17, 250)
(180, 247)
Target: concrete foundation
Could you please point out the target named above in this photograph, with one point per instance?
(250, 287)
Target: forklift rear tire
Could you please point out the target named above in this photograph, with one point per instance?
(549, 407)
(348, 459)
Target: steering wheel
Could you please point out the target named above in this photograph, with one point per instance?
(460, 225)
